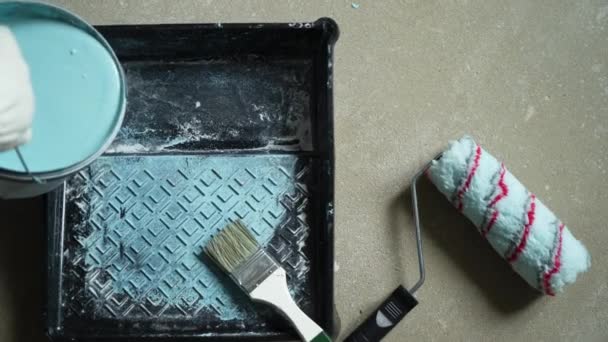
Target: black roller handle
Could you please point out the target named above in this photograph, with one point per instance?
(385, 318)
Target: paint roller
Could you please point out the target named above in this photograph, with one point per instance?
(538, 246)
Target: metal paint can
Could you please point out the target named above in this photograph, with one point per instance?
(22, 184)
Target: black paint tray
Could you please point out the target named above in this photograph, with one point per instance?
(224, 122)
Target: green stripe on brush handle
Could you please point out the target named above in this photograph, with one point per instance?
(322, 337)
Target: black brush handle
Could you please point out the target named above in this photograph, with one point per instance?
(385, 318)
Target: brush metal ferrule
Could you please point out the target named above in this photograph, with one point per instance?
(250, 273)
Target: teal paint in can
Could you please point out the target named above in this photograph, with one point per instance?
(80, 97)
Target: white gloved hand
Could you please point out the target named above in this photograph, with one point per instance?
(16, 94)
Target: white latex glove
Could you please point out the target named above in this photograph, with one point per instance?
(16, 94)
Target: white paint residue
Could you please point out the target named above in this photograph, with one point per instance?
(273, 146)
(355, 5)
(336, 267)
(261, 111)
(83, 206)
(547, 187)
(148, 130)
(139, 148)
(301, 245)
(197, 104)
(188, 133)
(170, 144)
(530, 112)
(126, 148)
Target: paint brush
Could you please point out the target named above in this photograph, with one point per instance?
(236, 251)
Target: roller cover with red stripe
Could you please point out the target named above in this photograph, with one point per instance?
(514, 221)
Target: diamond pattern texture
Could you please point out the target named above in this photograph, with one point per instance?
(136, 227)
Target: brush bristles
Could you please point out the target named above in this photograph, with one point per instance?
(232, 246)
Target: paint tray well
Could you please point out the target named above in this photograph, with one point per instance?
(223, 122)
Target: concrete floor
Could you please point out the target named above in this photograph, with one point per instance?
(528, 80)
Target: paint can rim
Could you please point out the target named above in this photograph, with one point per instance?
(58, 13)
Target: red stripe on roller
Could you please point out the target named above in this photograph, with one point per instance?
(504, 191)
(557, 264)
(493, 220)
(527, 227)
(467, 183)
